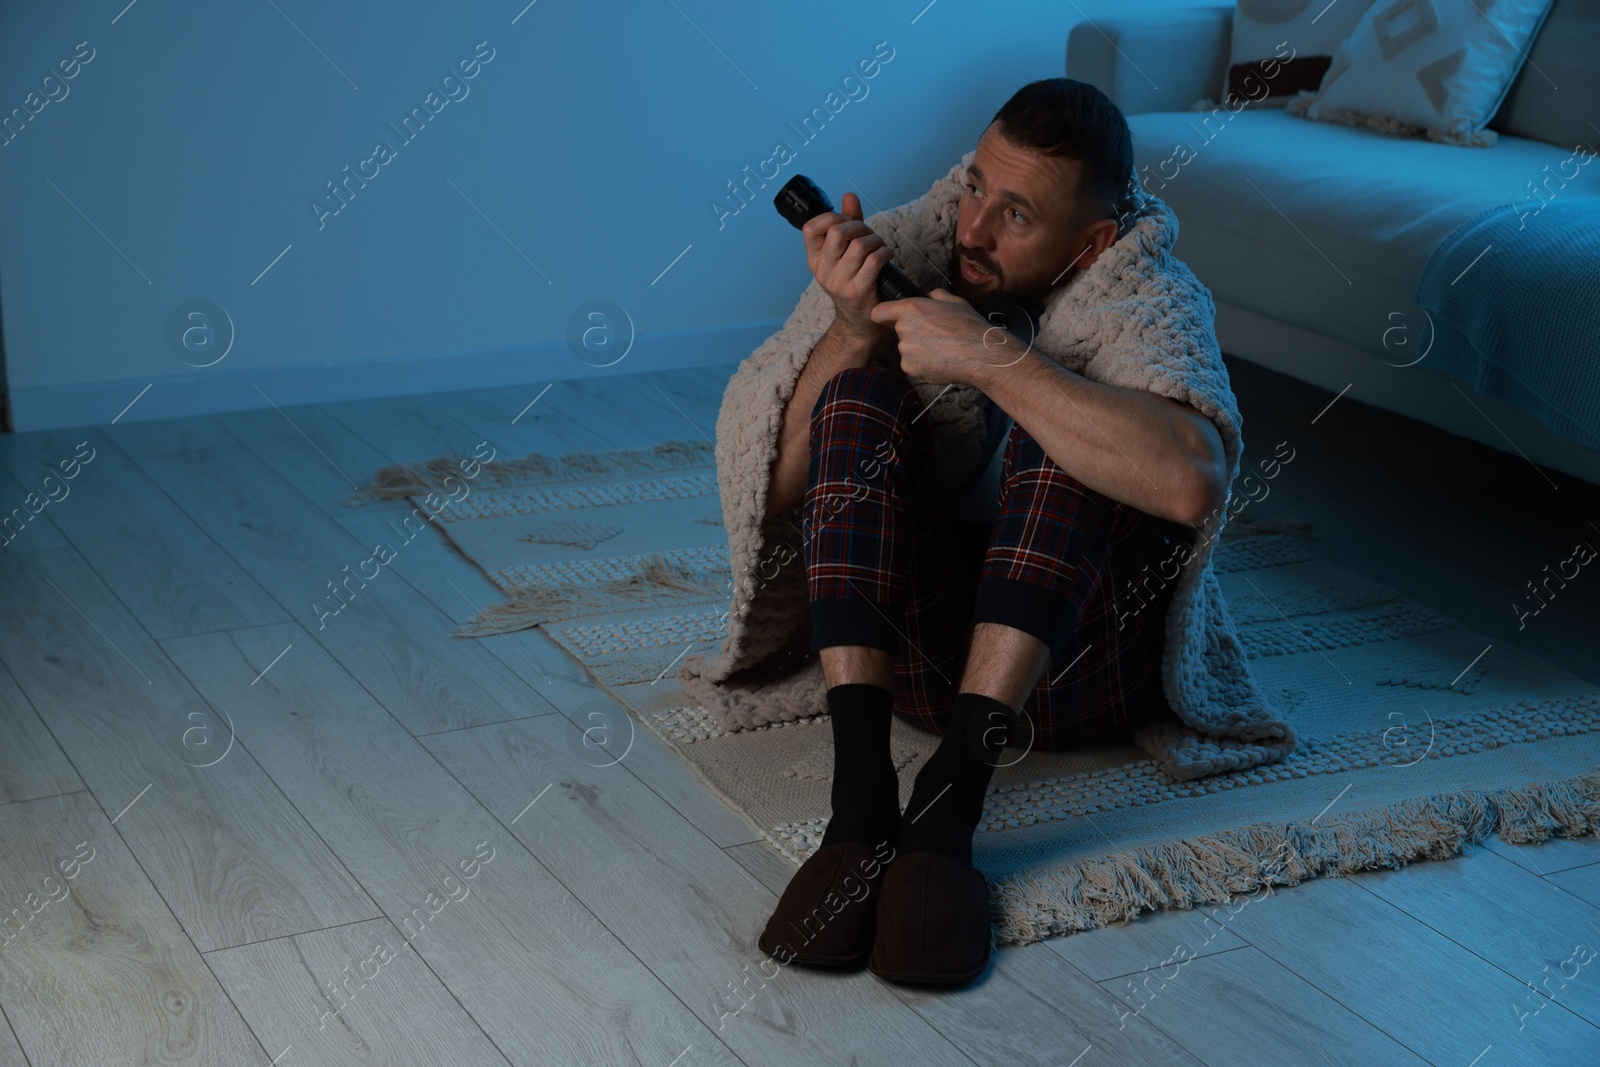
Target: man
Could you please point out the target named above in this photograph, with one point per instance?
(1093, 486)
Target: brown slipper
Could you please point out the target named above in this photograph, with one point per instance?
(933, 921)
(827, 913)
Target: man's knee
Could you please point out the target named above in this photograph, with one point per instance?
(876, 384)
(866, 430)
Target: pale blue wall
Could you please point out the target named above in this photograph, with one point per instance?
(184, 156)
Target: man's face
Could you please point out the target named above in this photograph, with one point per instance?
(1018, 226)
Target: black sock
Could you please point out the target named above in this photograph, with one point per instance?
(947, 799)
(866, 790)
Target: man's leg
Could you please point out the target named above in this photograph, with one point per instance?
(857, 538)
(846, 664)
(1004, 663)
(881, 576)
(1044, 556)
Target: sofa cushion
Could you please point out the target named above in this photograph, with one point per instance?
(1557, 95)
(1321, 226)
(1285, 46)
(1439, 67)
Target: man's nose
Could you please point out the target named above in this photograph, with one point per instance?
(975, 230)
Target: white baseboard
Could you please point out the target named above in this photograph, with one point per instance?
(221, 389)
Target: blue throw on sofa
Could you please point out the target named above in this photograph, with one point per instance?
(1523, 322)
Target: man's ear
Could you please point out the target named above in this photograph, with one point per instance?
(1096, 238)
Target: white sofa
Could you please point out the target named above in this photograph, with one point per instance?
(1312, 236)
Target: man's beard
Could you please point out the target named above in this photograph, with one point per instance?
(1024, 292)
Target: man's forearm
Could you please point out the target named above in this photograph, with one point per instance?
(1132, 445)
(837, 350)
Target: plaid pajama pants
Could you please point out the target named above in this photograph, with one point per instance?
(886, 566)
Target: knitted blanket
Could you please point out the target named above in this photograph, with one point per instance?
(1137, 317)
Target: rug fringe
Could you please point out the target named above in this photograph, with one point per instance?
(1179, 873)
(527, 607)
(400, 480)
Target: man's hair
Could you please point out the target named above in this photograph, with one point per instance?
(1074, 120)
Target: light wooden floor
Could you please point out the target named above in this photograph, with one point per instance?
(233, 837)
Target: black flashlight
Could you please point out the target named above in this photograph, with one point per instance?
(800, 201)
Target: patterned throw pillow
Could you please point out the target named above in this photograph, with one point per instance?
(1281, 47)
(1439, 67)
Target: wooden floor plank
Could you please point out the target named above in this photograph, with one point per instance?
(1550, 855)
(174, 578)
(1436, 998)
(560, 420)
(763, 862)
(687, 910)
(355, 996)
(1465, 900)
(704, 385)
(484, 413)
(229, 853)
(640, 403)
(10, 1052)
(1147, 943)
(713, 377)
(640, 409)
(1271, 1016)
(497, 403)
(430, 564)
(1032, 1007)
(595, 417)
(522, 419)
(159, 436)
(406, 429)
(389, 636)
(500, 404)
(27, 507)
(315, 452)
(709, 380)
(616, 411)
(1583, 883)
(31, 763)
(101, 973)
(530, 963)
(578, 415)
(685, 405)
(459, 589)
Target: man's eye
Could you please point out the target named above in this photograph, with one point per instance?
(973, 189)
(1018, 215)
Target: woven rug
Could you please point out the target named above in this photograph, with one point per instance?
(1418, 734)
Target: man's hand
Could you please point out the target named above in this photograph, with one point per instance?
(846, 258)
(943, 339)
